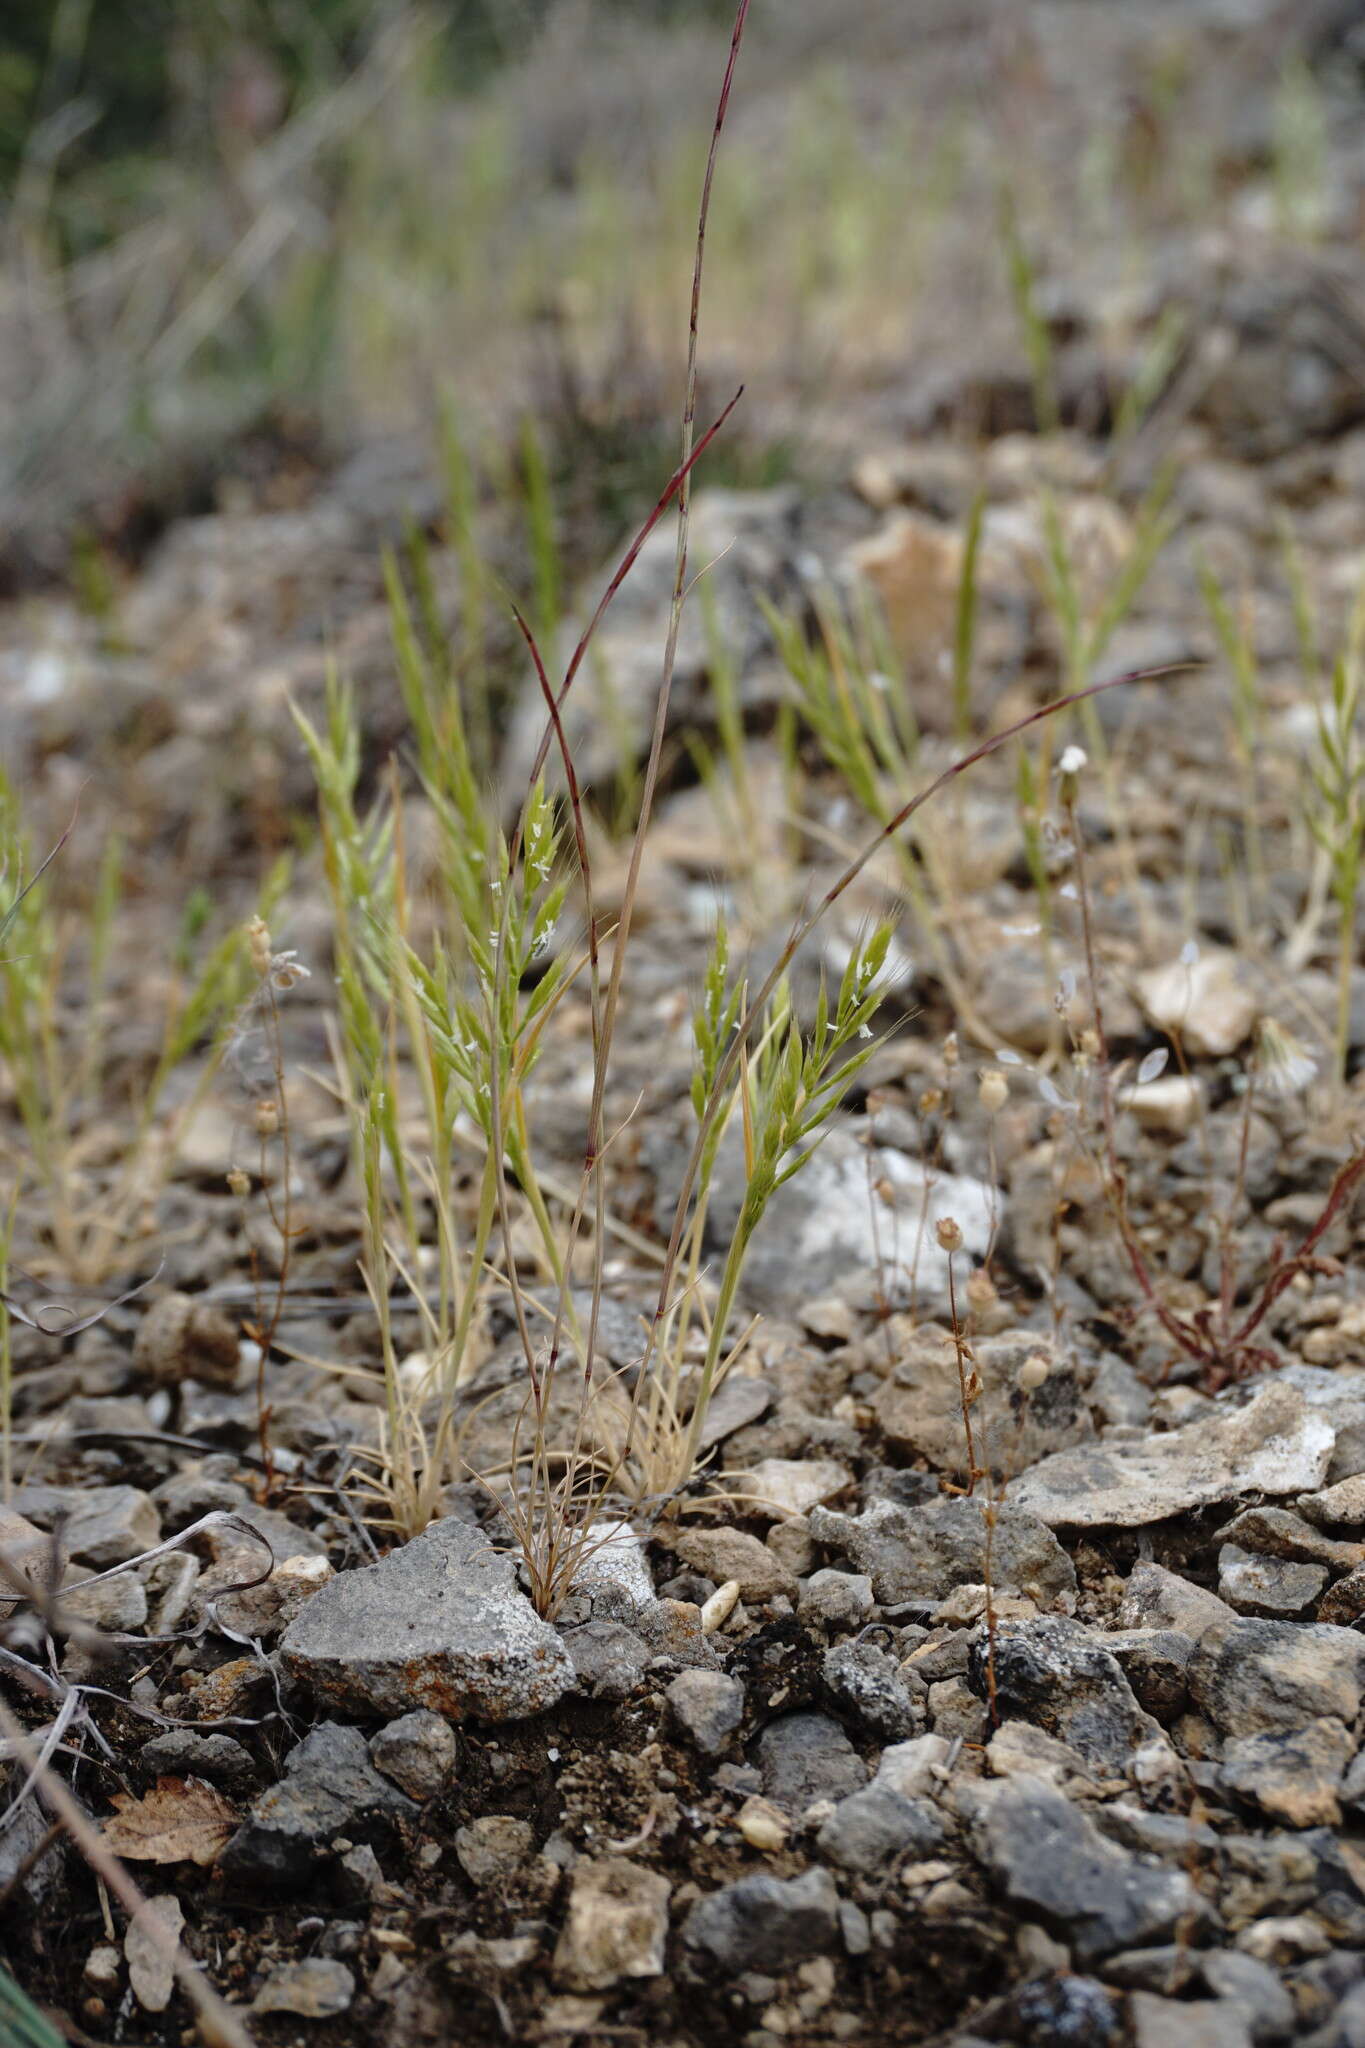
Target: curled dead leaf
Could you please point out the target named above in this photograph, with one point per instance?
(182, 1820)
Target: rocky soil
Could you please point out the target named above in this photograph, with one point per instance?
(866, 1740)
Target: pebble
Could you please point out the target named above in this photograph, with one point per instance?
(724, 1554)
(1059, 1676)
(609, 1659)
(1156, 1598)
(186, 1753)
(765, 1923)
(1273, 1587)
(101, 1526)
(790, 1486)
(872, 1826)
(493, 1846)
(806, 1757)
(616, 1926)
(1194, 2023)
(833, 1600)
(706, 1708)
(919, 1408)
(329, 1789)
(866, 1685)
(1293, 1777)
(1278, 1444)
(418, 1752)
(316, 1989)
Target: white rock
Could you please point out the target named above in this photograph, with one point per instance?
(1277, 1444)
(1206, 1002)
(788, 1486)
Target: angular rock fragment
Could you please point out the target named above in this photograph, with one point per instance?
(919, 1408)
(329, 1789)
(706, 1707)
(440, 1624)
(920, 1553)
(616, 1926)
(1055, 1674)
(1252, 1677)
(1054, 1862)
(765, 1923)
(1278, 1443)
(1293, 1776)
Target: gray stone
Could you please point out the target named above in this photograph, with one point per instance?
(1275, 1588)
(101, 1525)
(493, 1846)
(1068, 2009)
(805, 1757)
(616, 1558)
(914, 1768)
(1055, 1674)
(724, 1554)
(919, 1408)
(1019, 1750)
(315, 1989)
(118, 1605)
(186, 1753)
(956, 1712)
(41, 1885)
(1194, 2023)
(1293, 1776)
(1341, 1506)
(832, 1600)
(1279, 1532)
(1278, 1444)
(1250, 1677)
(706, 1707)
(1254, 1989)
(862, 1682)
(1157, 1598)
(1155, 1661)
(1054, 1862)
(870, 1827)
(440, 1624)
(858, 1219)
(765, 1923)
(329, 1789)
(609, 1659)
(616, 1926)
(672, 1628)
(921, 1553)
(418, 1752)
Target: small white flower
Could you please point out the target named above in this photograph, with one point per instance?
(1284, 1067)
(1072, 761)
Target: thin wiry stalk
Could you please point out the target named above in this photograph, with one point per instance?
(219, 2025)
(802, 930)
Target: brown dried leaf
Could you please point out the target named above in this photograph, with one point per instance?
(182, 1820)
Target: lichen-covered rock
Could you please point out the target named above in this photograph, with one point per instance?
(440, 1624)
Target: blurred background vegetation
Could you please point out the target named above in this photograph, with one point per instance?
(235, 227)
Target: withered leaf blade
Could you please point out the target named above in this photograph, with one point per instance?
(182, 1820)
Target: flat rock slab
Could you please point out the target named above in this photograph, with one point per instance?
(1278, 1444)
(440, 1624)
